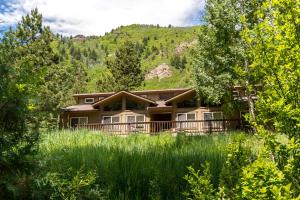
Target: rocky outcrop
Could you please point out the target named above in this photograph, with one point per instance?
(161, 71)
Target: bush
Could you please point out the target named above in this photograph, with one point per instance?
(200, 185)
(263, 180)
(68, 186)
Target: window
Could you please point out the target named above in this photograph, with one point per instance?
(115, 106)
(89, 100)
(132, 105)
(190, 103)
(110, 119)
(110, 123)
(186, 117)
(78, 120)
(135, 119)
(210, 116)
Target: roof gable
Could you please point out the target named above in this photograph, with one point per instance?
(182, 95)
(120, 94)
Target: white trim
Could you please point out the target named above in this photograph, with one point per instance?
(89, 98)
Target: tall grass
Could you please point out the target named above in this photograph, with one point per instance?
(137, 166)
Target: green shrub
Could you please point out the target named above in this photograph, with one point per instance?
(263, 180)
(68, 186)
(238, 157)
(201, 187)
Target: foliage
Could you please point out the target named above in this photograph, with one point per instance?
(126, 67)
(274, 46)
(178, 62)
(220, 59)
(155, 52)
(60, 82)
(24, 51)
(263, 180)
(106, 82)
(68, 186)
(238, 157)
(201, 186)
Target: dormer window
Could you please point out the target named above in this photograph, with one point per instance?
(89, 100)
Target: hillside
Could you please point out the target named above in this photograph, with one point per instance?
(164, 48)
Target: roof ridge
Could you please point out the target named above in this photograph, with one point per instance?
(134, 91)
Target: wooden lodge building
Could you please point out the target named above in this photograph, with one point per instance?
(149, 111)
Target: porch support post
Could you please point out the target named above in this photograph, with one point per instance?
(123, 103)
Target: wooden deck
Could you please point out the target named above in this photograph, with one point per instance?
(155, 127)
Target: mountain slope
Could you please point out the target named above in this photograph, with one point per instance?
(168, 46)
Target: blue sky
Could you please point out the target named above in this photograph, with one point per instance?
(95, 17)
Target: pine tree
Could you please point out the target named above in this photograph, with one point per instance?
(126, 68)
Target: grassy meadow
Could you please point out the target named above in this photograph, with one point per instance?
(137, 166)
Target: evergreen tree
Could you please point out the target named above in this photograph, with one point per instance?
(93, 55)
(25, 54)
(178, 63)
(126, 68)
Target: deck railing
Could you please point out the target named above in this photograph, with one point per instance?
(154, 127)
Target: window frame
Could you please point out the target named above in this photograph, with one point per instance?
(213, 115)
(112, 126)
(85, 100)
(195, 114)
(111, 121)
(85, 117)
(134, 125)
(185, 124)
(212, 123)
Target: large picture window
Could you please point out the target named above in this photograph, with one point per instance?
(186, 117)
(135, 119)
(110, 119)
(78, 120)
(189, 103)
(110, 123)
(209, 118)
(132, 105)
(115, 106)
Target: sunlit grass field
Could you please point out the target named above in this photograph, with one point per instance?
(137, 166)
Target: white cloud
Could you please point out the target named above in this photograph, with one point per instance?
(95, 17)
